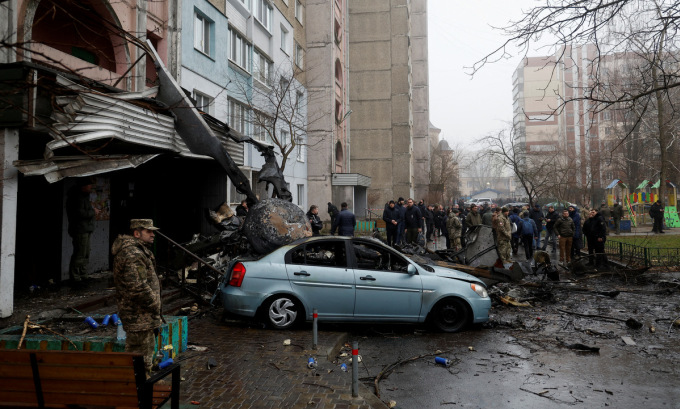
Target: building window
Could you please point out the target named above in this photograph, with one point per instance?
(284, 40)
(299, 54)
(239, 52)
(204, 102)
(262, 68)
(285, 137)
(263, 13)
(202, 34)
(299, 98)
(237, 116)
(607, 116)
(262, 126)
(300, 149)
(338, 71)
(284, 84)
(299, 11)
(301, 195)
(338, 33)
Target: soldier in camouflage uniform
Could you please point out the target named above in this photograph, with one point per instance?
(504, 234)
(137, 288)
(455, 228)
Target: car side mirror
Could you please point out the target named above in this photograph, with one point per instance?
(411, 269)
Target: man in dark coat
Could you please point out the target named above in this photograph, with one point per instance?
(81, 215)
(332, 212)
(315, 220)
(577, 243)
(242, 209)
(517, 235)
(344, 222)
(401, 206)
(413, 222)
(550, 219)
(617, 215)
(536, 214)
(596, 233)
(429, 221)
(392, 218)
(656, 212)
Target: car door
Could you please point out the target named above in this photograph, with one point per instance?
(320, 276)
(384, 290)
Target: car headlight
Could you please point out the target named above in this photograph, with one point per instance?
(480, 290)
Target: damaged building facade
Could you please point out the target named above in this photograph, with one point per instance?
(79, 88)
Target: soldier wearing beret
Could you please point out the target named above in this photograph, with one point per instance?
(137, 288)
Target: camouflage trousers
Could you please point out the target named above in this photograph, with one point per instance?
(505, 250)
(142, 342)
(80, 258)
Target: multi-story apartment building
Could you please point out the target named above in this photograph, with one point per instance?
(550, 114)
(78, 87)
(331, 178)
(389, 97)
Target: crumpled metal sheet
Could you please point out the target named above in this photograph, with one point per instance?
(273, 223)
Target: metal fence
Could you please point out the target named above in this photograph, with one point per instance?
(643, 256)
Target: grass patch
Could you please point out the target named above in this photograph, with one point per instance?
(650, 241)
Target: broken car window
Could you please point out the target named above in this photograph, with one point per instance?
(328, 253)
(370, 257)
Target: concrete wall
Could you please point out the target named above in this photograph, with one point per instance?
(388, 94)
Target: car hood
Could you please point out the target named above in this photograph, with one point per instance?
(455, 274)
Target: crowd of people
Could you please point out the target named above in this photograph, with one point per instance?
(568, 230)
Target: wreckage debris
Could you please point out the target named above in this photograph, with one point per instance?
(273, 223)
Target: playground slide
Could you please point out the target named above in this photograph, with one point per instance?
(671, 216)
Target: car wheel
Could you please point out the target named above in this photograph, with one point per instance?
(282, 312)
(451, 315)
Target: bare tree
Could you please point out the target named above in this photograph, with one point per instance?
(444, 173)
(534, 171)
(643, 30)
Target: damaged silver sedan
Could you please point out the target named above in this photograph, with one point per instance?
(351, 280)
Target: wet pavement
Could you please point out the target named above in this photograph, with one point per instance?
(246, 366)
(528, 356)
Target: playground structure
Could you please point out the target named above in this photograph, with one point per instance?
(638, 202)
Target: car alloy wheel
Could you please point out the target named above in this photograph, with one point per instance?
(451, 315)
(282, 312)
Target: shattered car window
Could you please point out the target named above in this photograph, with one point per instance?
(330, 254)
(371, 257)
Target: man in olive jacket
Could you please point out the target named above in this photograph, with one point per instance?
(137, 288)
(617, 215)
(565, 228)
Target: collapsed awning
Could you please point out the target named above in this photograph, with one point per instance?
(95, 133)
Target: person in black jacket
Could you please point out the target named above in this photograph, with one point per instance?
(413, 222)
(401, 206)
(242, 209)
(392, 218)
(429, 221)
(344, 222)
(332, 212)
(595, 230)
(315, 220)
(536, 214)
(656, 212)
(550, 219)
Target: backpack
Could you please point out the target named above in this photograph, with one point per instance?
(527, 228)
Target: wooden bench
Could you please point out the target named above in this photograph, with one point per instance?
(57, 379)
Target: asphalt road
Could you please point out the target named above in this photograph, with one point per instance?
(532, 357)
